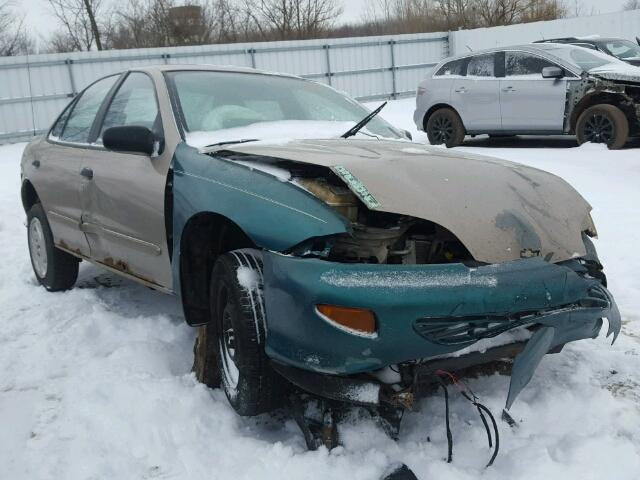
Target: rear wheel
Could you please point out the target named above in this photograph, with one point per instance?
(230, 350)
(603, 124)
(445, 127)
(55, 269)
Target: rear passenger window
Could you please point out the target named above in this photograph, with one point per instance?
(520, 64)
(455, 67)
(78, 126)
(482, 66)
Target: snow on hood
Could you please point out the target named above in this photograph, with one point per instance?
(278, 132)
(501, 211)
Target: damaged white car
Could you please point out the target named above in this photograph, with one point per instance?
(536, 89)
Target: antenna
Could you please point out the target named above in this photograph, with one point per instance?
(33, 115)
(470, 49)
(542, 35)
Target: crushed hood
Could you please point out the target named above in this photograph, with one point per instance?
(501, 211)
(625, 72)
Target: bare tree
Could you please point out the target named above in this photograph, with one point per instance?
(293, 19)
(80, 29)
(13, 37)
(160, 23)
(631, 5)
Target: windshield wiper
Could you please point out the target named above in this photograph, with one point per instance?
(362, 123)
(233, 142)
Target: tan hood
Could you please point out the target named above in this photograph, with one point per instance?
(499, 210)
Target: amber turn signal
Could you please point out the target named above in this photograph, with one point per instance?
(359, 320)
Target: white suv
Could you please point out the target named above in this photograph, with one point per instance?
(537, 89)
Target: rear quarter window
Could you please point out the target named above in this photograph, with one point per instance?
(454, 68)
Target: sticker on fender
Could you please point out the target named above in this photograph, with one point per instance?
(357, 187)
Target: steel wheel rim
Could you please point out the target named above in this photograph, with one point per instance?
(442, 129)
(37, 247)
(599, 128)
(228, 344)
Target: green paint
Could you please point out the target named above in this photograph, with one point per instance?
(357, 187)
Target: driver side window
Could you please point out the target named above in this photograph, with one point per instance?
(521, 64)
(134, 104)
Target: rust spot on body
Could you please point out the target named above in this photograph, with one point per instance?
(123, 267)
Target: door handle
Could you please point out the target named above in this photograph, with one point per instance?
(87, 173)
(460, 90)
(508, 89)
(36, 163)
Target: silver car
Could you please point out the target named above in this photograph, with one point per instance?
(537, 89)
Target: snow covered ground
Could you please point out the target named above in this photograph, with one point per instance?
(95, 383)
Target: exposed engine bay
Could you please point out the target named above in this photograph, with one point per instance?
(616, 90)
(377, 237)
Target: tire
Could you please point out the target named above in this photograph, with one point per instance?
(603, 124)
(55, 269)
(229, 351)
(444, 126)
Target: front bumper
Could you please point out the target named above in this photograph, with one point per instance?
(423, 311)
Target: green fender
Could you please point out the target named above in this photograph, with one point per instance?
(276, 215)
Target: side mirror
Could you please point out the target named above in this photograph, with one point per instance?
(129, 139)
(552, 72)
(638, 40)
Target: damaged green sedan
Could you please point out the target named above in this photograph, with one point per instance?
(315, 246)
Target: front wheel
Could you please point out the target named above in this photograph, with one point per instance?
(445, 127)
(230, 350)
(55, 269)
(603, 124)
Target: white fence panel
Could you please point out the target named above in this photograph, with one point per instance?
(618, 24)
(34, 89)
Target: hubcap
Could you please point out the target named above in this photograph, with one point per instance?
(228, 349)
(442, 130)
(599, 129)
(37, 247)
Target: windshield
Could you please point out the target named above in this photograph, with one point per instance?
(230, 106)
(583, 58)
(623, 49)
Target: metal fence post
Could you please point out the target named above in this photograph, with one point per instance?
(394, 92)
(72, 81)
(328, 56)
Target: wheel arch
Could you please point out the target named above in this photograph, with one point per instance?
(205, 236)
(435, 108)
(28, 195)
(609, 98)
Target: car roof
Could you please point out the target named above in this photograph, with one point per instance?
(526, 47)
(594, 39)
(206, 68)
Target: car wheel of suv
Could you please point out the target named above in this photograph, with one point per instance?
(238, 316)
(603, 124)
(445, 127)
(55, 270)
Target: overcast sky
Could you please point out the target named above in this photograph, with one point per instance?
(42, 24)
